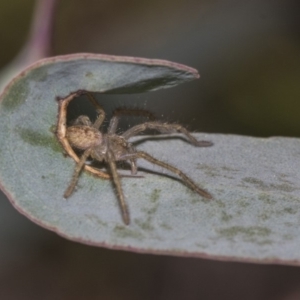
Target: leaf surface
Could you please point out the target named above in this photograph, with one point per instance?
(255, 213)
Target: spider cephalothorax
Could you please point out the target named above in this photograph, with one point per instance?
(110, 147)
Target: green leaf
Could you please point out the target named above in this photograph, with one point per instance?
(254, 215)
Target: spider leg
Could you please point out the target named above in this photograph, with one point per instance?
(114, 121)
(165, 128)
(76, 173)
(133, 165)
(188, 181)
(116, 179)
(99, 110)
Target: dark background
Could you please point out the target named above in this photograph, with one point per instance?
(247, 53)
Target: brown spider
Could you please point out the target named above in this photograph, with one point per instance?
(110, 147)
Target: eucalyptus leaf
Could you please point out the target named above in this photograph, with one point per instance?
(254, 215)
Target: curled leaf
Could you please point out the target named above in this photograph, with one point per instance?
(254, 215)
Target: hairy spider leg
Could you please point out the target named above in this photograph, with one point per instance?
(76, 173)
(116, 179)
(188, 181)
(112, 128)
(132, 161)
(99, 110)
(164, 128)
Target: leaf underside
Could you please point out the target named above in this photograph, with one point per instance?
(255, 213)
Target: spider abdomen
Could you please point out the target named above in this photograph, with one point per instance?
(83, 137)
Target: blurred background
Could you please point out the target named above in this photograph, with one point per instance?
(247, 53)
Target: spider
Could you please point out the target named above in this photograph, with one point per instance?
(110, 147)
